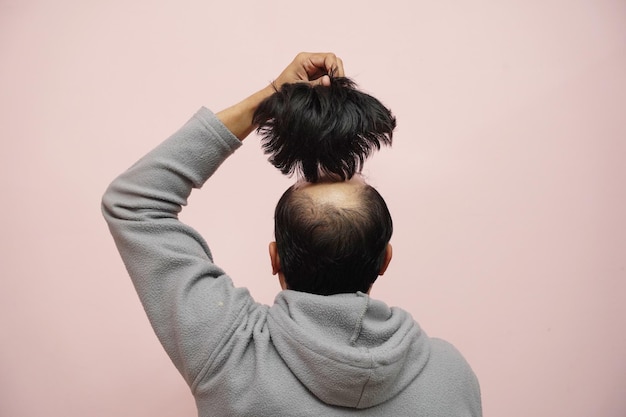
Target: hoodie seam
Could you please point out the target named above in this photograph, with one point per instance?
(369, 377)
(201, 375)
(359, 323)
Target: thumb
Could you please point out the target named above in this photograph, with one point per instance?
(323, 80)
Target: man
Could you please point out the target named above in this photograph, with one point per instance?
(341, 353)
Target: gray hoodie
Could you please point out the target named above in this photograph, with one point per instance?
(306, 355)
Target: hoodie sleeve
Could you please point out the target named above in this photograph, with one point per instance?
(190, 302)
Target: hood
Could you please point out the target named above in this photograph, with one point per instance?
(347, 349)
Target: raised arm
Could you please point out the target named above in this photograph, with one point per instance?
(192, 305)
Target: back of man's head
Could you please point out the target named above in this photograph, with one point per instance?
(332, 237)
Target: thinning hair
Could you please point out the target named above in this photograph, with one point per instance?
(326, 248)
(322, 131)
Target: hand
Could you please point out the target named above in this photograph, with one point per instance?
(312, 68)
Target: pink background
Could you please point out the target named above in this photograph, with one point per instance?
(506, 183)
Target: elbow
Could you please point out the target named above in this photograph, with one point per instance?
(110, 202)
(107, 203)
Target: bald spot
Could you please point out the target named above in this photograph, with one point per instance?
(343, 194)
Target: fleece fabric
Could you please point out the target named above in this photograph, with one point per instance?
(306, 355)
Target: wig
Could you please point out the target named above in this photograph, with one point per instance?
(322, 132)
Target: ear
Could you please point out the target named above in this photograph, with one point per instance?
(274, 258)
(388, 256)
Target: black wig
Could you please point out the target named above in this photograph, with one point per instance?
(322, 131)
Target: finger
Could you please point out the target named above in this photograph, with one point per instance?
(339, 71)
(325, 63)
(323, 80)
(334, 65)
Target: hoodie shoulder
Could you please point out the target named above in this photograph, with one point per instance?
(448, 370)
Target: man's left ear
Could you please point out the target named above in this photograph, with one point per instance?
(388, 256)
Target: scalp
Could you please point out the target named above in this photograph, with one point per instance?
(343, 194)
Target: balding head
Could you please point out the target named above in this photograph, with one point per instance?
(346, 194)
(332, 237)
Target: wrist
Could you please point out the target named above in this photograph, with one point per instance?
(238, 118)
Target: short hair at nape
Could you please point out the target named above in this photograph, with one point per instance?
(325, 249)
(322, 131)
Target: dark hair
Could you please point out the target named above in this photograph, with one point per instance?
(325, 249)
(322, 131)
